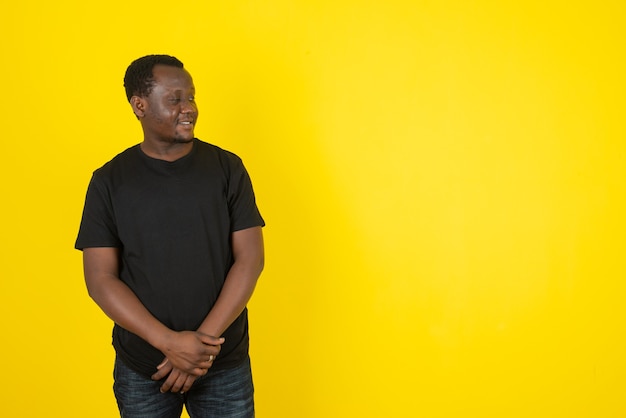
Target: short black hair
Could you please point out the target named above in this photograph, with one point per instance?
(139, 80)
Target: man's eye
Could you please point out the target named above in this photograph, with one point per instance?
(192, 98)
(174, 100)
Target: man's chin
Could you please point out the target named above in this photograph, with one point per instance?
(183, 140)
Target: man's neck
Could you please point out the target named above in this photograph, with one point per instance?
(166, 151)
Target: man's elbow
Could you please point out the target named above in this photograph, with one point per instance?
(96, 287)
(261, 264)
(92, 289)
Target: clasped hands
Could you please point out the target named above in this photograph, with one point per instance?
(188, 355)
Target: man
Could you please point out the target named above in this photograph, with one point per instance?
(172, 249)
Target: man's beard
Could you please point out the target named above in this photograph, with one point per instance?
(182, 140)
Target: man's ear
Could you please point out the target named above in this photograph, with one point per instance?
(139, 106)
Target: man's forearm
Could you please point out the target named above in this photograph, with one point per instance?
(237, 291)
(188, 351)
(120, 304)
(240, 281)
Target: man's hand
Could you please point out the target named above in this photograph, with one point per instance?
(189, 355)
(177, 381)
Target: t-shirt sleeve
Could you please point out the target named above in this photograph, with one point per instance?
(244, 212)
(97, 227)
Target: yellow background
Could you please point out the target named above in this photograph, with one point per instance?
(443, 183)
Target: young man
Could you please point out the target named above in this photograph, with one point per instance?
(172, 249)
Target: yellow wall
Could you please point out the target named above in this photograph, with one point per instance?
(443, 183)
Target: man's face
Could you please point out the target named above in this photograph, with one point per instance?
(170, 111)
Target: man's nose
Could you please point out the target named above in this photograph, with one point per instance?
(188, 107)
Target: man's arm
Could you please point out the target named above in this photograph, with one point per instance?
(249, 257)
(189, 351)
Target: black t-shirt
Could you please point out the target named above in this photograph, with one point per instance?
(172, 222)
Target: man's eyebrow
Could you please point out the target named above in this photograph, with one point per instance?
(181, 90)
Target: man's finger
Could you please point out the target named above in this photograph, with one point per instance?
(209, 340)
(163, 370)
(188, 383)
(179, 383)
(170, 381)
(163, 363)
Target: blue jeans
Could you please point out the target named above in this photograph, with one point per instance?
(226, 393)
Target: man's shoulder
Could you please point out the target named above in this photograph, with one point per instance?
(206, 146)
(217, 152)
(125, 157)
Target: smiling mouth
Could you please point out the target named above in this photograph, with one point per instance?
(186, 123)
